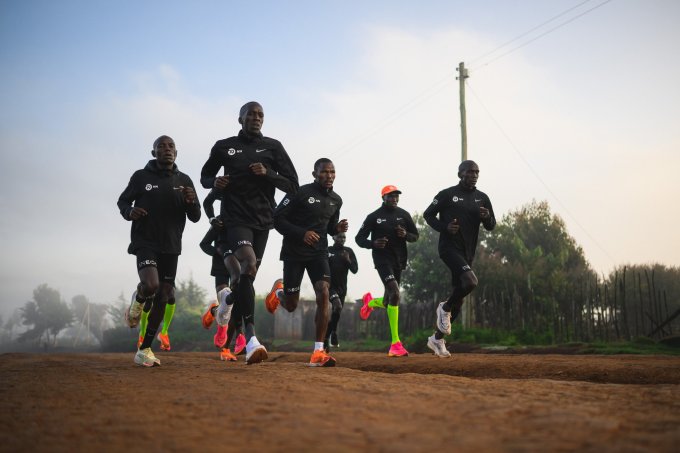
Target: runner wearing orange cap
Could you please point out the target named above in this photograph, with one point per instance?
(386, 231)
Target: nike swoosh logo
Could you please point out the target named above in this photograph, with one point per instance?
(260, 150)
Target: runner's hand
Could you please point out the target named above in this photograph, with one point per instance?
(221, 182)
(343, 226)
(401, 231)
(453, 227)
(484, 213)
(258, 169)
(137, 213)
(311, 238)
(189, 194)
(380, 243)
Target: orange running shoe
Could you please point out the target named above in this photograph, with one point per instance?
(397, 350)
(240, 344)
(208, 317)
(272, 300)
(164, 338)
(365, 311)
(140, 340)
(220, 337)
(321, 358)
(227, 356)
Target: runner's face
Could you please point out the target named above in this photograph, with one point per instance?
(325, 175)
(340, 239)
(469, 176)
(165, 152)
(391, 199)
(252, 119)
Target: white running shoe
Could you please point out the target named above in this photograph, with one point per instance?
(145, 357)
(438, 347)
(134, 311)
(223, 312)
(255, 352)
(443, 319)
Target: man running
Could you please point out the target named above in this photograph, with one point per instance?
(304, 219)
(158, 200)
(390, 228)
(456, 214)
(341, 260)
(254, 167)
(209, 245)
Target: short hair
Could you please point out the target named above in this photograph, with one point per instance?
(155, 143)
(465, 164)
(246, 106)
(321, 161)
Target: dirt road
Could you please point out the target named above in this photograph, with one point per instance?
(369, 402)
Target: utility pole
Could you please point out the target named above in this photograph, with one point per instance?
(462, 75)
(465, 314)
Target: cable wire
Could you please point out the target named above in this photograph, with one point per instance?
(538, 177)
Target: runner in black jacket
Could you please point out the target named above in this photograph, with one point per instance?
(254, 167)
(389, 228)
(456, 214)
(157, 200)
(341, 260)
(305, 219)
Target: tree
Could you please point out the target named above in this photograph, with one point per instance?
(47, 314)
(90, 315)
(426, 278)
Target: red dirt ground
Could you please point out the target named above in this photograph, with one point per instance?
(369, 402)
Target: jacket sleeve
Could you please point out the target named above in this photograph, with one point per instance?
(207, 242)
(490, 223)
(283, 176)
(208, 204)
(332, 228)
(192, 210)
(353, 263)
(281, 222)
(430, 214)
(210, 168)
(362, 237)
(411, 229)
(126, 199)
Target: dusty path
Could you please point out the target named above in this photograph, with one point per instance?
(472, 402)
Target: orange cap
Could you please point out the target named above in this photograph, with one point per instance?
(389, 189)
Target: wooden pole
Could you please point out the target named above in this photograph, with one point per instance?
(462, 75)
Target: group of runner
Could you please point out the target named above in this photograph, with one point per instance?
(159, 199)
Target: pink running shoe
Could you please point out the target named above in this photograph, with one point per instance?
(240, 344)
(397, 350)
(221, 336)
(365, 311)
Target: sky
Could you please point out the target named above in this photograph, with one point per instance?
(570, 101)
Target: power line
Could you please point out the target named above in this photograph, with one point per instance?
(544, 33)
(528, 31)
(538, 177)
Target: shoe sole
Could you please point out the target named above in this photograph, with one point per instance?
(397, 355)
(208, 315)
(258, 356)
(147, 365)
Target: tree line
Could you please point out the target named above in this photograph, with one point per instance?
(534, 282)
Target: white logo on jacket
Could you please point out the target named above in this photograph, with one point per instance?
(313, 200)
(232, 151)
(148, 187)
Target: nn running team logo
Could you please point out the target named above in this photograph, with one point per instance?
(232, 151)
(149, 187)
(313, 200)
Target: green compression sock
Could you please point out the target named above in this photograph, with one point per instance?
(376, 303)
(393, 316)
(167, 318)
(143, 322)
